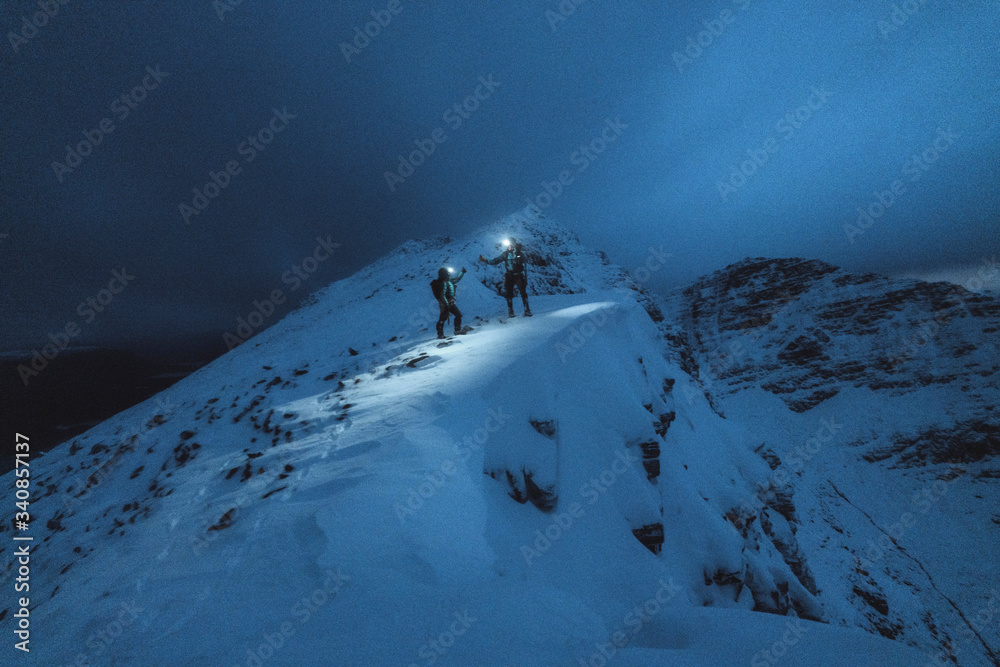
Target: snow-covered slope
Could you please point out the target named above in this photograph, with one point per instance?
(887, 448)
(345, 489)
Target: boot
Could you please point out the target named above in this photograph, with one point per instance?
(440, 329)
(510, 308)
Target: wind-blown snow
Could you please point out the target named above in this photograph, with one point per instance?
(325, 494)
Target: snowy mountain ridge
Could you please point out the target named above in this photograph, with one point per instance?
(343, 488)
(896, 504)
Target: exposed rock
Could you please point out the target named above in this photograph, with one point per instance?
(804, 330)
(544, 427)
(542, 498)
(966, 442)
(651, 536)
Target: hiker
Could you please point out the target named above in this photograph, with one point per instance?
(444, 291)
(513, 259)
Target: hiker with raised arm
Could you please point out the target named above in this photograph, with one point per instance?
(515, 274)
(444, 288)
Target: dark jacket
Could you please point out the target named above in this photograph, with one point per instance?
(513, 259)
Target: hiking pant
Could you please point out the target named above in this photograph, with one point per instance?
(510, 280)
(447, 308)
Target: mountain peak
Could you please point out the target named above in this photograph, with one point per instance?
(344, 467)
(794, 273)
(805, 329)
(503, 470)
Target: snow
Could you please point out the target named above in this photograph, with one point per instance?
(893, 537)
(934, 517)
(372, 533)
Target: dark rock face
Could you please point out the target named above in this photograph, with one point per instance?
(917, 367)
(521, 486)
(804, 330)
(546, 427)
(543, 498)
(651, 458)
(965, 442)
(651, 536)
(778, 591)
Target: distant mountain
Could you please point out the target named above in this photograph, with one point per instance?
(887, 451)
(804, 329)
(573, 488)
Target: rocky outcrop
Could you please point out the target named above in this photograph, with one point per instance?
(913, 368)
(803, 330)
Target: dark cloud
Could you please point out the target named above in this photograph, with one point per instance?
(697, 92)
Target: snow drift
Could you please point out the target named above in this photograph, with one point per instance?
(345, 489)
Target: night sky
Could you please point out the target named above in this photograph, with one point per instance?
(716, 130)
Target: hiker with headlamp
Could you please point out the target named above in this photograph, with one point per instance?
(444, 288)
(515, 274)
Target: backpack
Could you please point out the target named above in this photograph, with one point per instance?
(518, 261)
(437, 288)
